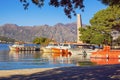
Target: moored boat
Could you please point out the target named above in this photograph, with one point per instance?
(16, 47)
(101, 61)
(66, 45)
(56, 50)
(81, 49)
(53, 45)
(46, 50)
(106, 53)
(23, 47)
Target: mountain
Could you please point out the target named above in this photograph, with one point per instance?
(59, 32)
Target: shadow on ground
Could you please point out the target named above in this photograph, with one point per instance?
(108, 72)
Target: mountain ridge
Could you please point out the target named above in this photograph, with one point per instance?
(59, 32)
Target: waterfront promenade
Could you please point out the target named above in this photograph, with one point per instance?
(106, 72)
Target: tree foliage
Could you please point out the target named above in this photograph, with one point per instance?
(103, 22)
(41, 40)
(110, 2)
(109, 17)
(95, 35)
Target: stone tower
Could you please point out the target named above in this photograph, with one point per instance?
(79, 24)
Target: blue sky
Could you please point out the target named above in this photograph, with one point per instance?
(12, 11)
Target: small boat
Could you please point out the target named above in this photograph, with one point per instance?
(16, 47)
(56, 50)
(100, 61)
(63, 52)
(66, 45)
(82, 49)
(59, 45)
(46, 50)
(53, 45)
(106, 53)
(23, 47)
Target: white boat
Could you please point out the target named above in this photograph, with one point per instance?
(48, 48)
(82, 49)
(16, 47)
(66, 45)
(53, 45)
(56, 46)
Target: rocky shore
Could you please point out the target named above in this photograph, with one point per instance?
(103, 72)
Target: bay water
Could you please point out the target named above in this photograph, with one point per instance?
(11, 60)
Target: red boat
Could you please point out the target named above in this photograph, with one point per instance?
(100, 61)
(107, 53)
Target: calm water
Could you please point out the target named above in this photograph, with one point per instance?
(31, 59)
(35, 59)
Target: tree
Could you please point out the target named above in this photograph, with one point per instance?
(94, 35)
(69, 6)
(41, 40)
(109, 17)
(102, 24)
(110, 2)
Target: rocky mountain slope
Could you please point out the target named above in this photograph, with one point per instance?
(59, 32)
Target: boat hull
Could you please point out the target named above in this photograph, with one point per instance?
(24, 48)
(46, 50)
(56, 50)
(13, 48)
(106, 53)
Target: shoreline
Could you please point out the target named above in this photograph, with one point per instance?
(99, 72)
(7, 73)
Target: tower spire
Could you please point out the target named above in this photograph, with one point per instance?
(79, 25)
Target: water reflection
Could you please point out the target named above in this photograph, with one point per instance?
(61, 58)
(19, 55)
(36, 59)
(33, 59)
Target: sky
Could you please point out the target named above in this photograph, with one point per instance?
(12, 12)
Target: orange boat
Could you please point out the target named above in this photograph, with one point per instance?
(62, 52)
(56, 50)
(62, 57)
(105, 61)
(106, 52)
